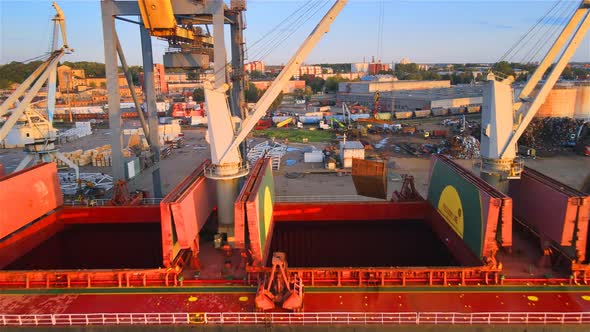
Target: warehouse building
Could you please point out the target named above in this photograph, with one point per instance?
(420, 99)
(384, 83)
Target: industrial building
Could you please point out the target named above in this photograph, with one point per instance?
(419, 99)
(384, 83)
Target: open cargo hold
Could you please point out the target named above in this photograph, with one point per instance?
(312, 234)
(363, 243)
(553, 210)
(46, 241)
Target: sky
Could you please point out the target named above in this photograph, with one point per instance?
(425, 31)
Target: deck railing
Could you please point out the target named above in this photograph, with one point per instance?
(325, 198)
(307, 318)
(103, 202)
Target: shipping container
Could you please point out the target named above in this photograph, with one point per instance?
(456, 110)
(308, 119)
(403, 115)
(422, 113)
(350, 150)
(383, 116)
(439, 133)
(313, 157)
(408, 130)
(356, 117)
(439, 111)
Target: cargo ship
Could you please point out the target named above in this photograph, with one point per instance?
(468, 254)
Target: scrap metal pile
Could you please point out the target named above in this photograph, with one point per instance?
(550, 133)
(95, 181)
(463, 147)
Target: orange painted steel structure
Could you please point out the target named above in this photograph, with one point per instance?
(187, 207)
(240, 214)
(184, 212)
(29, 197)
(563, 220)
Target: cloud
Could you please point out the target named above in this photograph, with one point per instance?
(493, 25)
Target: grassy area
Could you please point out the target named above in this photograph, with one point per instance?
(296, 134)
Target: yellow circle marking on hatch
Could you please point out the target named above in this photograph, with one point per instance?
(586, 297)
(192, 299)
(243, 298)
(532, 298)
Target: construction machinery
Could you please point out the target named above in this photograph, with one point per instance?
(284, 123)
(190, 46)
(277, 288)
(29, 125)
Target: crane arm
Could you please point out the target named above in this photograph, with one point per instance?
(292, 66)
(578, 24)
(158, 18)
(16, 113)
(61, 19)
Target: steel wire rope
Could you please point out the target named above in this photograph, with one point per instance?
(276, 28)
(287, 33)
(279, 29)
(550, 26)
(535, 34)
(380, 29)
(517, 43)
(309, 17)
(557, 28)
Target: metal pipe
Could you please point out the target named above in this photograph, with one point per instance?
(146, 130)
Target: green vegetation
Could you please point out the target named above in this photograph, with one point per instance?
(296, 135)
(337, 67)
(16, 72)
(412, 71)
(315, 83)
(199, 95)
(252, 93)
(91, 69)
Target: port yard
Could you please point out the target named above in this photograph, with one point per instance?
(566, 166)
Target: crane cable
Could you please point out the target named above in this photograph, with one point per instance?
(286, 37)
(556, 28)
(270, 39)
(519, 41)
(380, 24)
(543, 32)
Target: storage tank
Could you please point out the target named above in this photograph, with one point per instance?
(582, 109)
(560, 102)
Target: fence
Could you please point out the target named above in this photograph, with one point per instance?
(103, 202)
(307, 318)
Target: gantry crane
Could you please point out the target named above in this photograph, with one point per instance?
(40, 144)
(504, 121)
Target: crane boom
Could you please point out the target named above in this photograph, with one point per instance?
(288, 71)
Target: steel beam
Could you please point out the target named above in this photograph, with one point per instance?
(150, 104)
(110, 55)
(179, 7)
